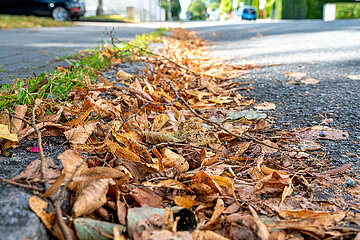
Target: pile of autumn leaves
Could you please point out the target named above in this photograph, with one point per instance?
(138, 157)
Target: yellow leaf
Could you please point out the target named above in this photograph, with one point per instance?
(80, 119)
(185, 201)
(287, 192)
(225, 182)
(37, 205)
(159, 122)
(121, 152)
(5, 133)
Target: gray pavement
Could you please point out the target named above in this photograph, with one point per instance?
(24, 51)
(327, 51)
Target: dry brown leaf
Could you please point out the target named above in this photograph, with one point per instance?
(288, 190)
(91, 197)
(145, 196)
(70, 160)
(38, 205)
(54, 188)
(79, 120)
(306, 220)
(185, 201)
(54, 118)
(29, 130)
(140, 94)
(263, 232)
(32, 172)
(4, 117)
(156, 137)
(310, 81)
(140, 150)
(80, 134)
(265, 106)
(321, 132)
(159, 122)
(122, 75)
(122, 153)
(96, 173)
(297, 75)
(225, 182)
(273, 183)
(17, 124)
(172, 159)
(203, 184)
(207, 235)
(121, 211)
(218, 210)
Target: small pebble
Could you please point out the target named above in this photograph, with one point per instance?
(349, 183)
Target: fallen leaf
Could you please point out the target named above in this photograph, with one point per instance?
(262, 230)
(80, 119)
(5, 134)
(17, 124)
(265, 106)
(354, 77)
(80, 134)
(90, 229)
(156, 137)
(91, 197)
(297, 75)
(122, 153)
(96, 173)
(172, 159)
(185, 201)
(321, 132)
(122, 75)
(32, 172)
(146, 197)
(273, 183)
(310, 81)
(207, 235)
(159, 122)
(218, 210)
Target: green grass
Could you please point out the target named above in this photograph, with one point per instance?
(110, 18)
(55, 85)
(14, 21)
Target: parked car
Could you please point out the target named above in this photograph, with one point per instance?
(247, 12)
(60, 10)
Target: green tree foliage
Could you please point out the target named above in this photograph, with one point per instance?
(214, 4)
(300, 9)
(226, 5)
(197, 10)
(175, 8)
(347, 10)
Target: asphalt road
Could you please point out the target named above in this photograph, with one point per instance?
(326, 51)
(24, 51)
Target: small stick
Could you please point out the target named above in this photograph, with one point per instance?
(338, 170)
(32, 187)
(41, 151)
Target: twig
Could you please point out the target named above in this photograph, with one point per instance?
(59, 217)
(41, 151)
(149, 52)
(338, 170)
(32, 187)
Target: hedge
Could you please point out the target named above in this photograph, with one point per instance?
(347, 10)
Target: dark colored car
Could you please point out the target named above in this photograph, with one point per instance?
(60, 10)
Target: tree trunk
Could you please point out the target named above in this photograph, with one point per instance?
(100, 10)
